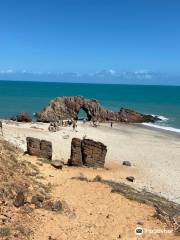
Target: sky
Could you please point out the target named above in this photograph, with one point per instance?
(88, 36)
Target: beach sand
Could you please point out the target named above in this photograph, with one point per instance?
(154, 154)
(91, 210)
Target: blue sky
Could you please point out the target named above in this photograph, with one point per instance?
(87, 36)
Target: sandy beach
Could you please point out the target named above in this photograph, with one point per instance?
(90, 120)
(154, 154)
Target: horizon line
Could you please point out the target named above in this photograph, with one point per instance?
(90, 83)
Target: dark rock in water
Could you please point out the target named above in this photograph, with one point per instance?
(19, 200)
(69, 107)
(57, 164)
(39, 148)
(13, 118)
(22, 117)
(130, 116)
(87, 152)
(127, 163)
(130, 179)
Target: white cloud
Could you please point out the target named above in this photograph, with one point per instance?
(141, 72)
(104, 74)
(8, 71)
(111, 71)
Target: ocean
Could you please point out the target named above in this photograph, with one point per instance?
(164, 101)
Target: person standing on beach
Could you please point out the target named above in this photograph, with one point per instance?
(1, 127)
(74, 125)
(84, 120)
(111, 124)
(94, 122)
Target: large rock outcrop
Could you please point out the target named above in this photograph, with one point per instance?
(69, 107)
(87, 152)
(39, 148)
(22, 117)
(76, 153)
(127, 115)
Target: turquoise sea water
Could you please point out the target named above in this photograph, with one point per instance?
(33, 96)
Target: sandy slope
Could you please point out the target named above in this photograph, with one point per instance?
(154, 154)
(91, 211)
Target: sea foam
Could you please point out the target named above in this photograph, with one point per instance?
(172, 129)
(163, 119)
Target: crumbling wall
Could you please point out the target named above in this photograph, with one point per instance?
(39, 148)
(87, 152)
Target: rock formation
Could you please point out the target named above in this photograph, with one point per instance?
(39, 148)
(93, 153)
(76, 153)
(127, 115)
(22, 117)
(127, 163)
(87, 152)
(19, 200)
(57, 164)
(69, 107)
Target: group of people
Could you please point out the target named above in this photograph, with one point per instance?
(95, 123)
(70, 122)
(55, 126)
